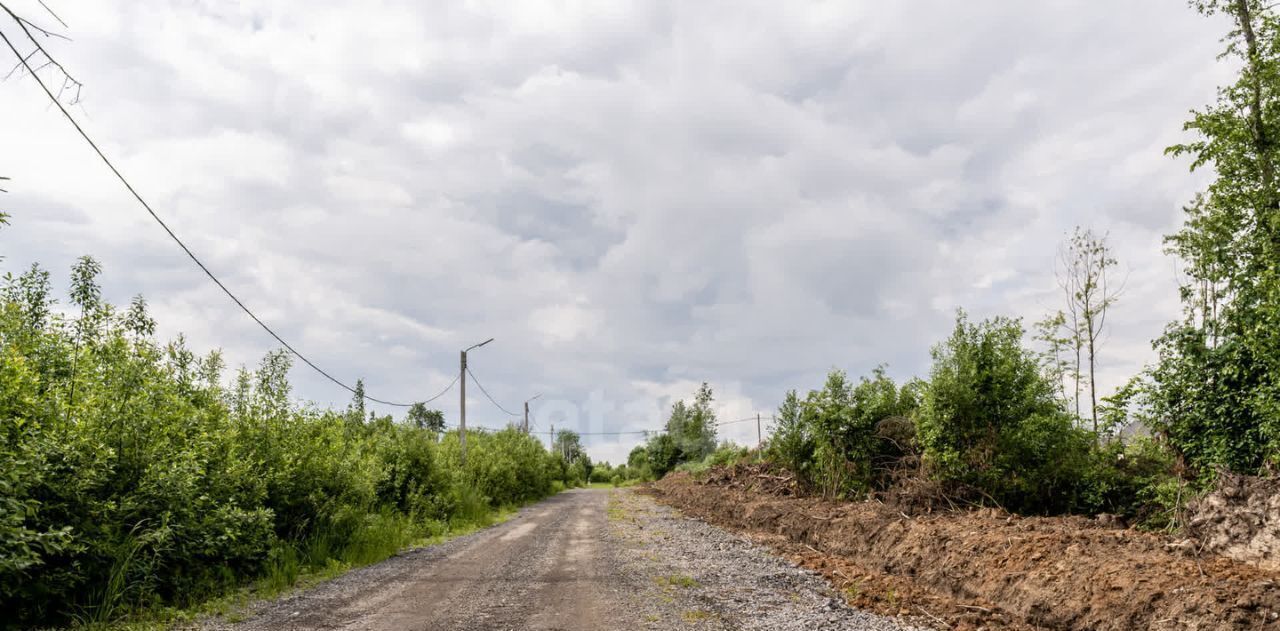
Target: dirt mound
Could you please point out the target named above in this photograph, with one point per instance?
(987, 569)
(1240, 519)
(761, 477)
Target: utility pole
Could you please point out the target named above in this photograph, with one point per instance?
(462, 402)
(552, 444)
(462, 408)
(526, 412)
(759, 438)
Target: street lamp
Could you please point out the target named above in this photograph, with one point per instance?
(526, 412)
(462, 407)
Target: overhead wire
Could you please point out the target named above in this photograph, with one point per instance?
(486, 393)
(442, 392)
(172, 235)
(659, 431)
(24, 61)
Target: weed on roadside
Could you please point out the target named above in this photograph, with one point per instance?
(676, 580)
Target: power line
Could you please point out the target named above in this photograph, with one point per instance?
(160, 221)
(442, 392)
(486, 393)
(649, 431)
(741, 420)
(478, 428)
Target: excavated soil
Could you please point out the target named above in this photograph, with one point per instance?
(1240, 519)
(985, 569)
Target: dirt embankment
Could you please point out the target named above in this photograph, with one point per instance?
(985, 569)
(1240, 519)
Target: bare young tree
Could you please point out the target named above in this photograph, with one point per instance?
(32, 57)
(1084, 262)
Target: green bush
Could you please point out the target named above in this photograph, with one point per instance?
(130, 477)
(990, 424)
(832, 438)
(726, 454)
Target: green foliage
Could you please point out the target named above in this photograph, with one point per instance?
(130, 477)
(422, 418)
(990, 421)
(726, 454)
(576, 465)
(1129, 480)
(832, 438)
(693, 427)
(792, 443)
(989, 426)
(690, 436)
(603, 472)
(638, 464)
(662, 454)
(1215, 392)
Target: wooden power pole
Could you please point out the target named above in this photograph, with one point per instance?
(759, 438)
(526, 417)
(462, 402)
(462, 409)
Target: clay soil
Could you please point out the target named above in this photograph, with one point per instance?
(984, 569)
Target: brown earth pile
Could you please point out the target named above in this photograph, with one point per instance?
(987, 569)
(1240, 519)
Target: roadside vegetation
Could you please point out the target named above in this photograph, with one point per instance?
(1019, 422)
(132, 480)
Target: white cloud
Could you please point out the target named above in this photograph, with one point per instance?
(631, 197)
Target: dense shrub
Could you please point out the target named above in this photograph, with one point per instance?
(1133, 480)
(131, 477)
(728, 453)
(986, 427)
(990, 423)
(638, 464)
(1218, 403)
(832, 438)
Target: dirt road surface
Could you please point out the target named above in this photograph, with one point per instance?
(586, 559)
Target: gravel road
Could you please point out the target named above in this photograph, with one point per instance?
(589, 559)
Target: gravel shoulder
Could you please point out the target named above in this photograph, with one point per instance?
(690, 574)
(586, 559)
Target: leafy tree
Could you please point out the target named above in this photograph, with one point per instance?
(422, 418)
(4, 221)
(636, 458)
(356, 412)
(638, 464)
(662, 454)
(1215, 391)
(693, 427)
(792, 443)
(569, 445)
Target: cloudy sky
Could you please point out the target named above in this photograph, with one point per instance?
(631, 197)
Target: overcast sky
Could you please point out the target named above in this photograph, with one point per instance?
(632, 198)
